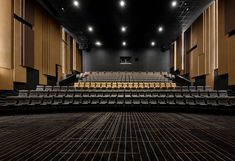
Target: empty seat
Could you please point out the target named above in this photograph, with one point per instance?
(33, 93)
(189, 100)
(200, 101)
(141, 86)
(153, 101)
(223, 101)
(213, 93)
(112, 101)
(144, 101)
(128, 100)
(23, 93)
(192, 88)
(103, 85)
(58, 100)
(48, 88)
(64, 88)
(47, 100)
(53, 93)
(179, 100)
(204, 93)
(77, 100)
(70, 93)
(223, 93)
(62, 93)
(170, 100)
(86, 100)
(184, 88)
(56, 88)
(68, 100)
(11, 101)
(120, 100)
(232, 101)
(40, 88)
(35, 101)
(163, 86)
(104, 100)
(208, 88)
(162, 100)
(95, 101)
(43, 93)
(212, 101)
(200, 88)
(136, 101)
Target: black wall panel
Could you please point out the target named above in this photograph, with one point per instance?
(142, 60)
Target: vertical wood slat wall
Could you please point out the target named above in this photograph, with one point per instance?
(36, 45)
(71, 56)
(215, 49)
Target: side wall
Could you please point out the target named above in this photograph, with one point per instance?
(208, 49)
(31, 46)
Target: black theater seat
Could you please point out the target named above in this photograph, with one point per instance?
(201, 101)
(190, 101)
(47, 101)
(23, 101)
(77, 100)
(40, 88)
(170, 100)
(179, 100)
(35, 101)
(95, 100)
(232, 101)
(223, 101)
(48, 88)
(68, 100)
(53, 93)
(212, 101)
(11, 101)
(23, 93)
(58, 100)
(104, 100)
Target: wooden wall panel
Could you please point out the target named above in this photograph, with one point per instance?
(6, 79)
(18, 7)
(231, 49)
(19, 72)
(28, 52)
(29, 11)
(223, 53)
(179, 54)
(229, 16)
(6, 34)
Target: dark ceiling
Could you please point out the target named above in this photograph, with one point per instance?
(142, 18)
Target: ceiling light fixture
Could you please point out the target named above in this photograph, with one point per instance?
(153, 43)
(122, 3)
(98, 43)
(124, 43)
(90, 29)
(174, 4)
(160, 29)
(123, 29)
(76, 3)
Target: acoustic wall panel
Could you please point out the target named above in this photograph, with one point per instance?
(223, 53)
(29, 11)
(6, 15)
(231, 49)
(229, 16)
(19, 72)
(6, 79)
(18, 7)
(28, 47)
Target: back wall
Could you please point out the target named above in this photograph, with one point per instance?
(142, 60)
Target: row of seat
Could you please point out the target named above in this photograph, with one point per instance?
(124, 85)
(77, 100)
(127, 76)
(184, 88)
(116, 93)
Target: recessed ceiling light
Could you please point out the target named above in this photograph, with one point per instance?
(160, 29)
(122, 3)
(76, 3)
(123, 29)
(98, 43)
(153, 43)
(174, 3)
(90, 29)
(124, 43)
(62, 8)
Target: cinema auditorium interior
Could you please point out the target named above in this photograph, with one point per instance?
(117, 80)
